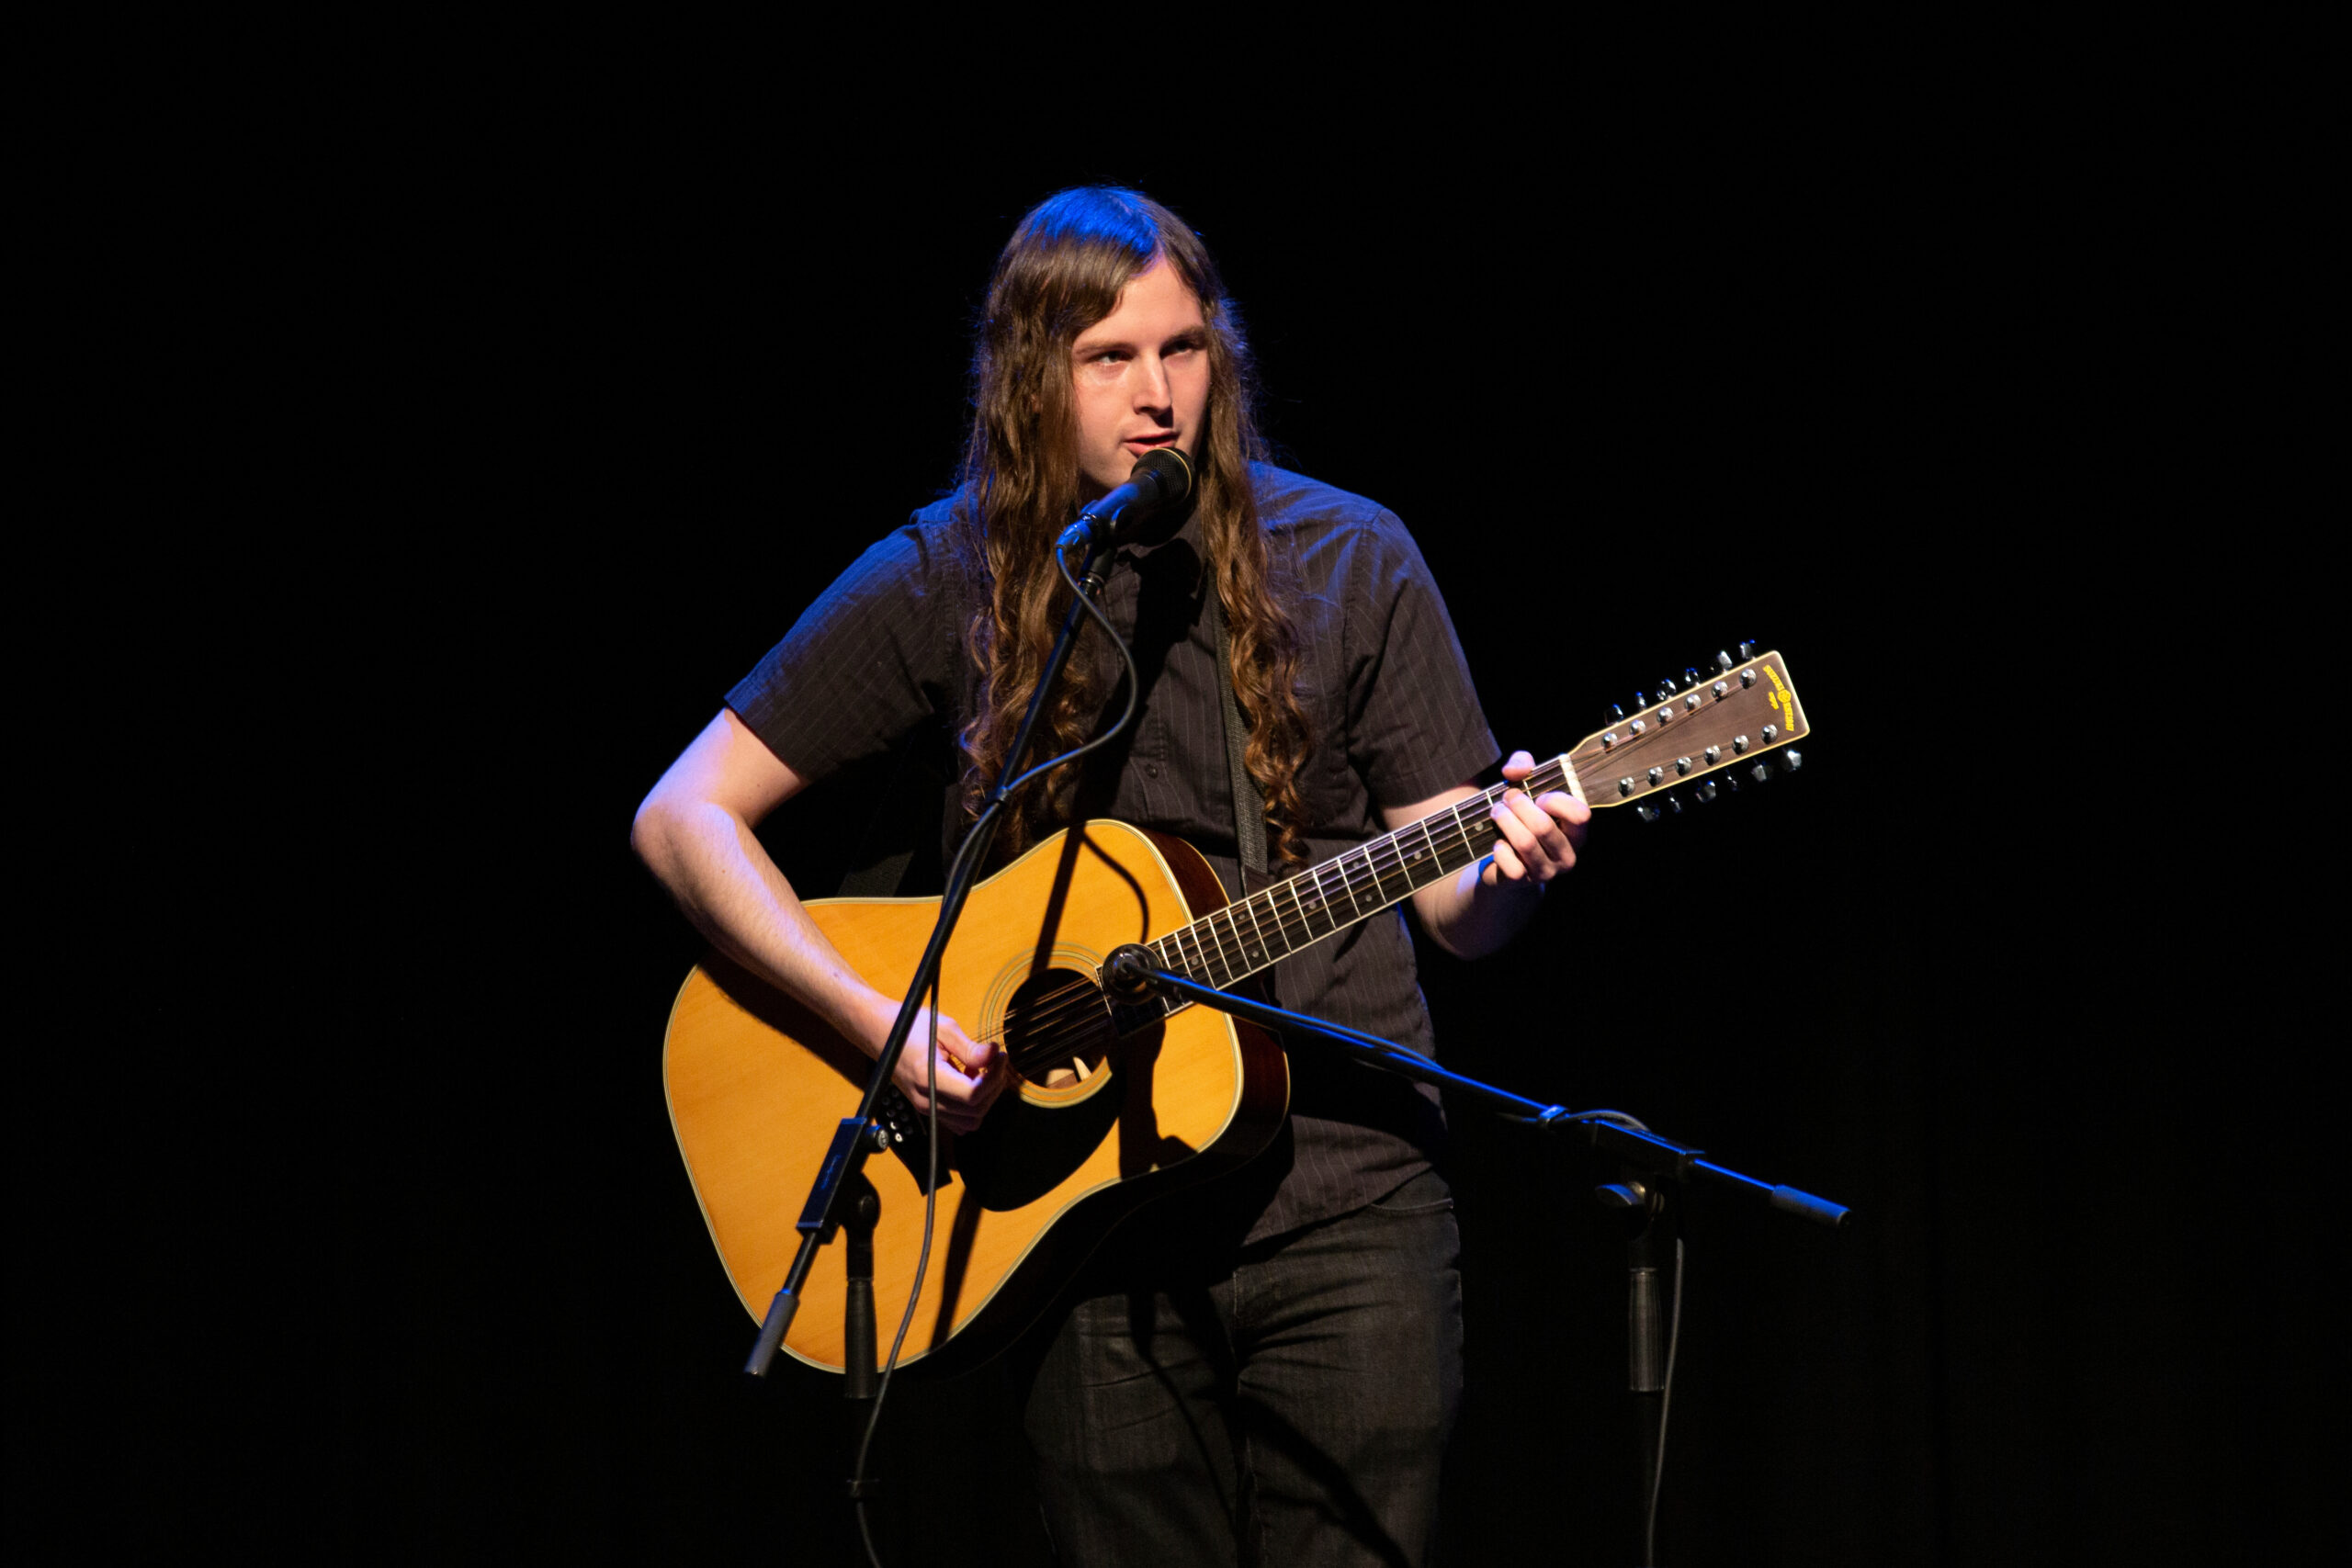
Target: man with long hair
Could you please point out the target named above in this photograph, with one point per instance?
(1271, 1365)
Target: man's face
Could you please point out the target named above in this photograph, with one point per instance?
(1139, 378)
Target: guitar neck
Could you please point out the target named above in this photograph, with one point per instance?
(1265, 928)
(1682, 736)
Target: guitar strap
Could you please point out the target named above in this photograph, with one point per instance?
(1249, 805)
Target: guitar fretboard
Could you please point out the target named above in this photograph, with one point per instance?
(1267, 927)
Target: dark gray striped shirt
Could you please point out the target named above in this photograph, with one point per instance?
(1394, 721)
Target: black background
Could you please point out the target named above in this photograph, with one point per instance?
(513, 417)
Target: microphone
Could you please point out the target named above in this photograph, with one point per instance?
(1162, 479)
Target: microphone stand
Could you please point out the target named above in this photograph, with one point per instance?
(1132, 975)
(841, 1195)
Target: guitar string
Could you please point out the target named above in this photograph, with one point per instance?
(1051, 1038)
(1072, 1020)
(1369, 865)
(1372, 866)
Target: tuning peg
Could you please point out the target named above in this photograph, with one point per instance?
(1791, 760)
(1666, 688)
(1689, 677)
(1645, 811)
(1760, 772)
(1724, 661)
(1617, 712)
(1705, 792)
(1748, 650)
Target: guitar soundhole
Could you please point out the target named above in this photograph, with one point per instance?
(1058, 1029)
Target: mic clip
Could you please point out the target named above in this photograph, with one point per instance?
(1126, 975)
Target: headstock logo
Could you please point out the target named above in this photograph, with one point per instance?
(1784, 699)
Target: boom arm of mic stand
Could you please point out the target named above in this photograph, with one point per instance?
(1369, 1049)
(1130, 967)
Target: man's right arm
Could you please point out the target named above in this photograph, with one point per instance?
(695, 832)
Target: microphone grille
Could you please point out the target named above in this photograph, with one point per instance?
(1169, 469)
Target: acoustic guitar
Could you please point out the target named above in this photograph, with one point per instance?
(1111, 1105)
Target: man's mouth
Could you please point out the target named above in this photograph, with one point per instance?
(1157, 438)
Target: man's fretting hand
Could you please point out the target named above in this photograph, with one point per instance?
(1540, 834)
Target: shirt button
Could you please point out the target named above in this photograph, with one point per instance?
(1152, 769)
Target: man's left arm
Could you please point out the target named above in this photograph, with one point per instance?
(1475, 911)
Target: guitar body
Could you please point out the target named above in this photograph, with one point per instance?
(756, 1085)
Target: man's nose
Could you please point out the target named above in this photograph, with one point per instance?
(1151, 383)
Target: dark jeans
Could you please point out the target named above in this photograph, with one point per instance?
(1285, 1404)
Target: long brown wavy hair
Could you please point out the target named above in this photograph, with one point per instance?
(1063, 271)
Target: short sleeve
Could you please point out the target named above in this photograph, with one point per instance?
(872, 659)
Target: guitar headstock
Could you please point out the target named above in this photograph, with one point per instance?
(1729, 718)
